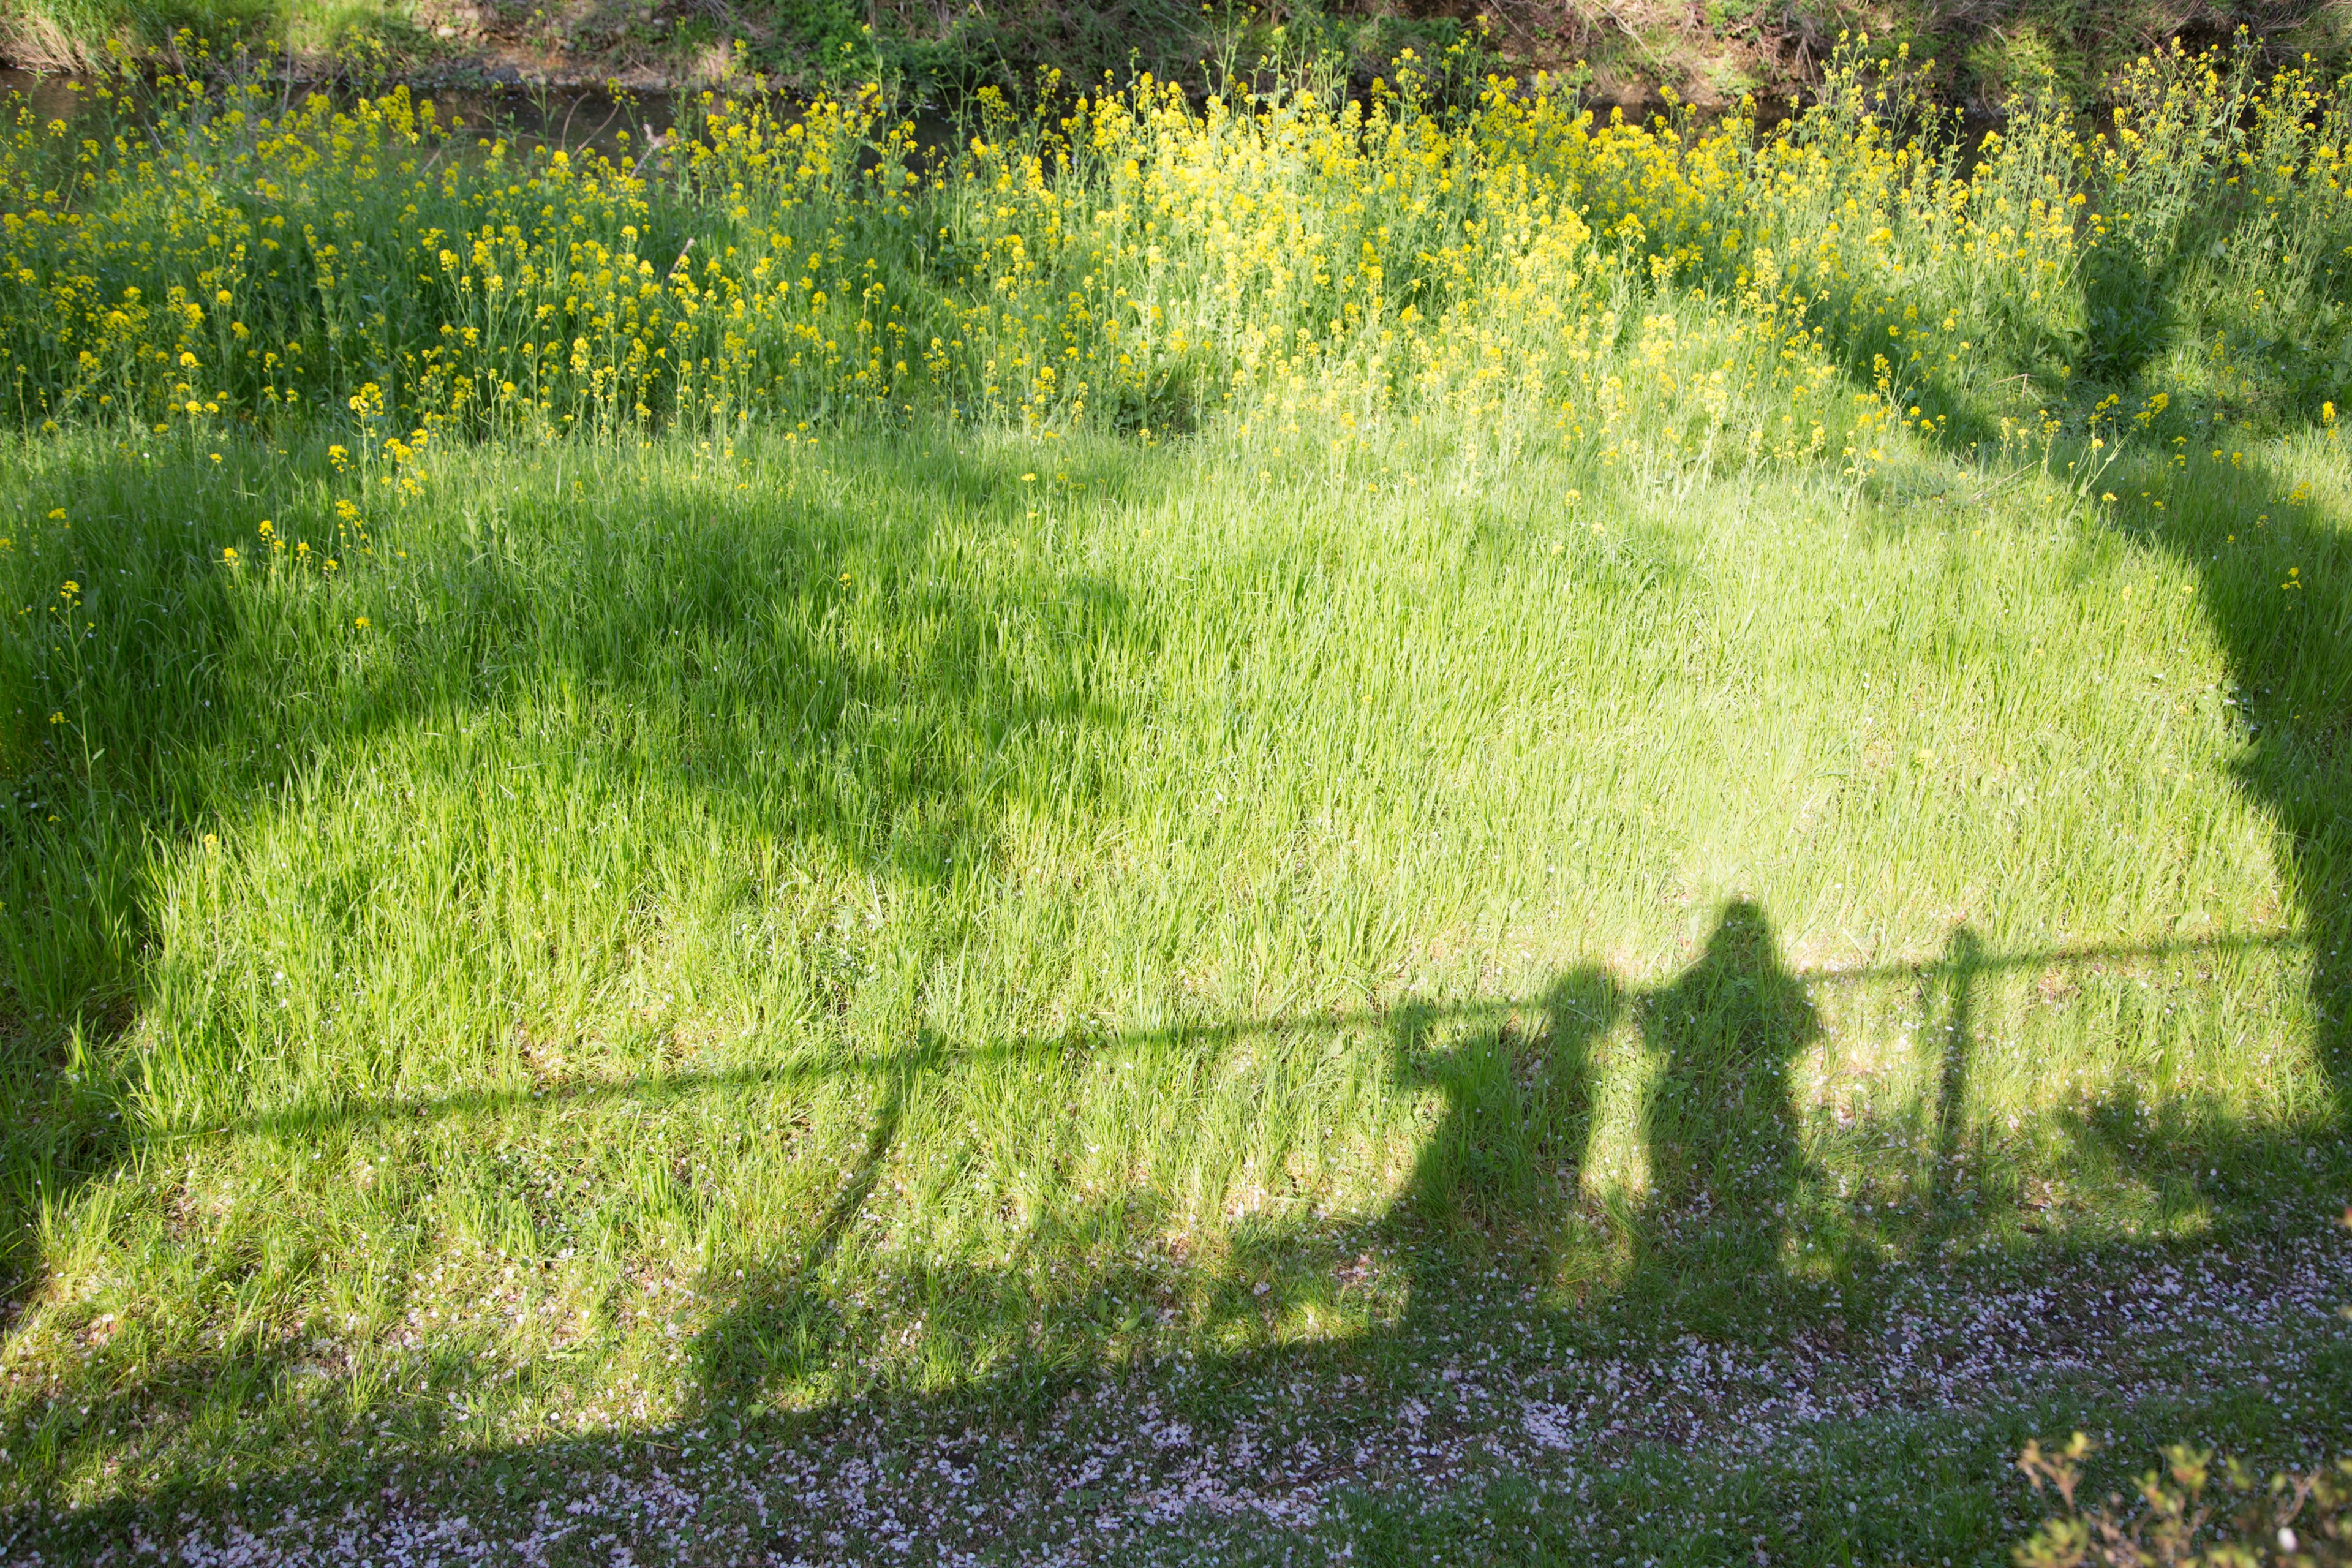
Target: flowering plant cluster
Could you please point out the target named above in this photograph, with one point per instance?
(1292, 262)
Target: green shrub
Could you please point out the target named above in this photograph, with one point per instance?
(2197, 1512)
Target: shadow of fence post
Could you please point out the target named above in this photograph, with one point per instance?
(1964, 960)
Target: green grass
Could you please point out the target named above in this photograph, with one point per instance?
(751, 929)
(1568, 931)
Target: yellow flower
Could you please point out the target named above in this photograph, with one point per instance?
(360, 621)
(57, 718)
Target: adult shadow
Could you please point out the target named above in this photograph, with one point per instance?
(1719, 1126)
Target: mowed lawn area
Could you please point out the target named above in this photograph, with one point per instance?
(1416, 980)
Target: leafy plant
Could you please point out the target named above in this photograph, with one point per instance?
(2197, 1512)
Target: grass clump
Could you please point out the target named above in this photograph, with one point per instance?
(1478, 788)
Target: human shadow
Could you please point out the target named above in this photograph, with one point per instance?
(1721, 1125)
(1515, 1112)
(1506, 1174)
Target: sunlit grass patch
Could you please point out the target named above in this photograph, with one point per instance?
(809, 921)
(1401, 746)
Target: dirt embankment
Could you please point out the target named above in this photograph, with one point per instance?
(1705, 51)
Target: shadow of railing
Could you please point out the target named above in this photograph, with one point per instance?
(1956, 973)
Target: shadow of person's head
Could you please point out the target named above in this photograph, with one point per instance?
(1735, 1007)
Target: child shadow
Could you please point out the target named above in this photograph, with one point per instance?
(1719, 1126)
(1501, 1174)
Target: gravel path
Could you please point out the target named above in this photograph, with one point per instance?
(1116, 1472)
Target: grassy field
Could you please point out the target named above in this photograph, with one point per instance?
(1240, 836)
